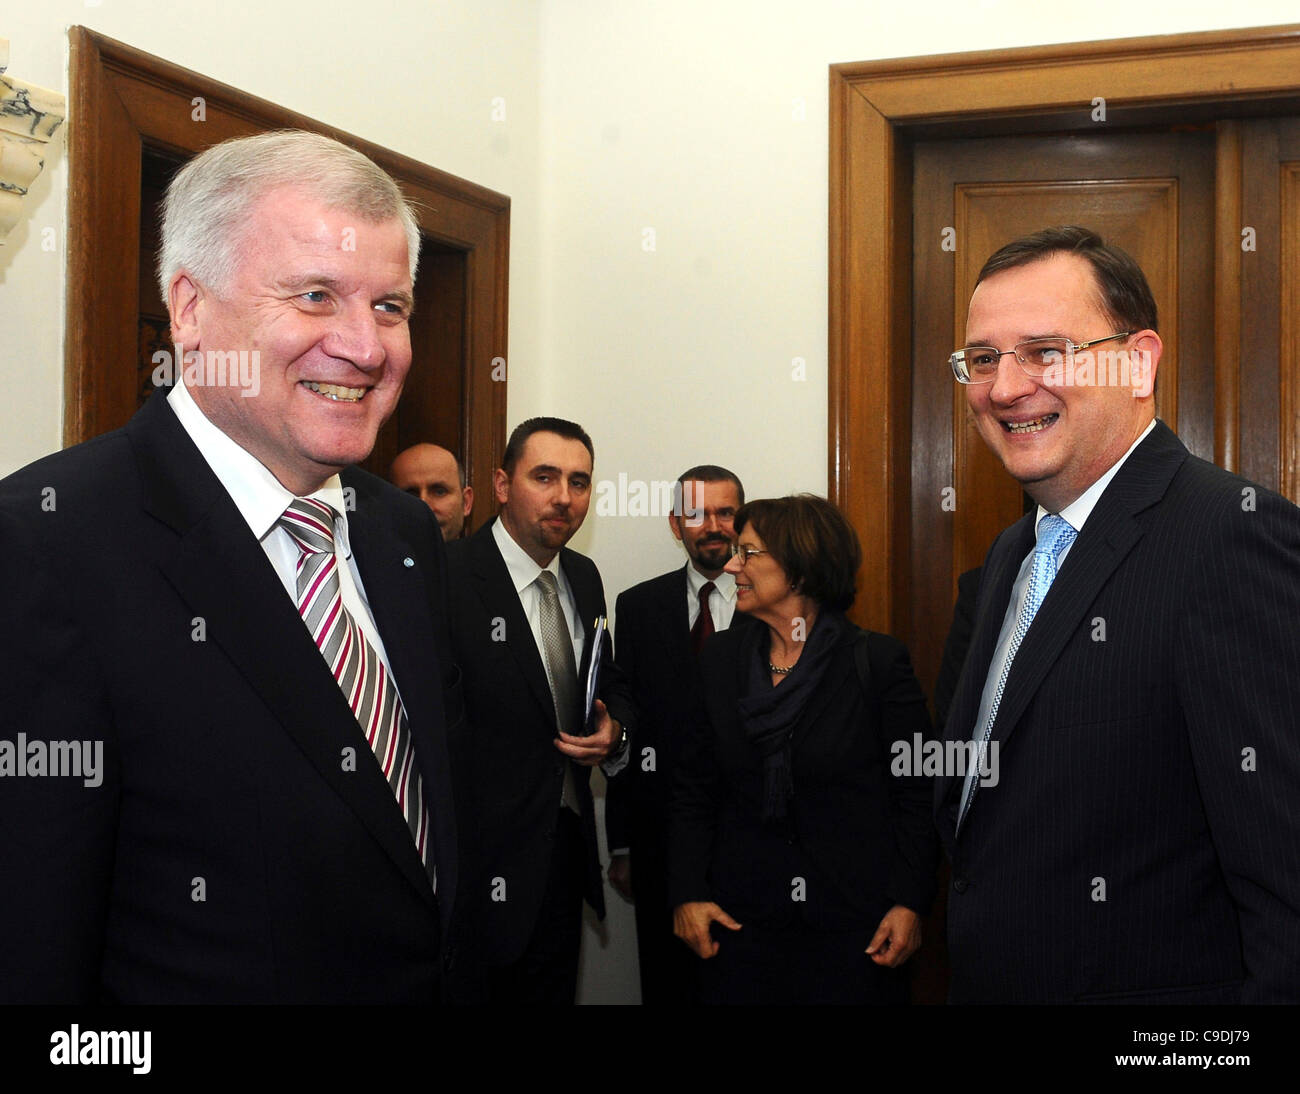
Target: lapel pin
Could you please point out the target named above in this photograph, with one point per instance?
(408, 561)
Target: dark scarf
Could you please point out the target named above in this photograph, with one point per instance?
(769, 713)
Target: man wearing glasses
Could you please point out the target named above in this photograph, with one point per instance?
(1136, 662)
(662, 625)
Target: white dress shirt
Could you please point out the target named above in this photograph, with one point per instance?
(1075, 514)
(722, 601)
(523, 574)
(262, 500)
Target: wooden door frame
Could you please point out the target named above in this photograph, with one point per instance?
(125, 100)
(876, 109)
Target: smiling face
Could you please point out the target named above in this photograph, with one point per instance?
(762, 585)
(705, 526)
(544, 500)
(323, 296)
(1055, 440)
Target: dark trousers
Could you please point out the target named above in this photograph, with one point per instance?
(547, 972)
(776, 966)
(668, 967)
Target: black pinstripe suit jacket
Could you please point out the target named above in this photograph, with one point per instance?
(1142, 843)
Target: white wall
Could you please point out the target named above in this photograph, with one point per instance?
(414, 76)
(676, 115)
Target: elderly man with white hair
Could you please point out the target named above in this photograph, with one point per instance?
(246, 631)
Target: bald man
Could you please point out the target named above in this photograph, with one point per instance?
(435, 476)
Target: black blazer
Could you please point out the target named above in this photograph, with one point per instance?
(1142, 843)
(653, 644)
(515, 773)
(956, 644)
(859, 836)
(232, 853)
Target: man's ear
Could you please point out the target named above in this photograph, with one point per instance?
(674, 524)
(501, 485)
(1145, 349)
(467, 497)
(184, 300)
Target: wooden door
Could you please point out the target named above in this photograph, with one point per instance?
(881, 110)
(1269, 325)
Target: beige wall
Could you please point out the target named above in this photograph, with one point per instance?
(704, 121)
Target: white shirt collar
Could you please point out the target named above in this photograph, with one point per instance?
(257, 494)
(1078, 511)
(725, 583)
(523, 569)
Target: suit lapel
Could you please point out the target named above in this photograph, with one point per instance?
(675, 626)
(497, 593)
(399, 600)
(1000, 569)
(1109, 534)
(586, 599)
(225, 578)
(399, 603)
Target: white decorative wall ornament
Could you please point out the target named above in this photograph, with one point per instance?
(29, 118)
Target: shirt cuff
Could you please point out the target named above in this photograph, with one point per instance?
(615, 764)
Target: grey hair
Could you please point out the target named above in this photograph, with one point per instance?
(207, 204)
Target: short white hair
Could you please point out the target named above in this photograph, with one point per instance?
(206, 210)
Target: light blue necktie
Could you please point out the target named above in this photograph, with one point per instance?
(1054, 535)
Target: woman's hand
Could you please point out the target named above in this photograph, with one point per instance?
(896, 939)
(691, 924)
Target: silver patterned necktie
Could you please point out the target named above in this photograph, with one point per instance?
(1055, 534)
(362, 676)
(561, 670)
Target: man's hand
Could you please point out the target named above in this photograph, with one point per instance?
(897, 937)
(691, 924)
(589, 751)
(620, 876)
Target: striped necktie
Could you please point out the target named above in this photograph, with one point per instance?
(1055, 534)
(362, 676)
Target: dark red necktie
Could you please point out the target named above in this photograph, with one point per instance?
(704, 622)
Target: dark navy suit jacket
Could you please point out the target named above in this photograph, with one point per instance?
(232, 853)
(1143, 841)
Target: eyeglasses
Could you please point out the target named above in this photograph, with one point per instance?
(979, 364)
(744, 553)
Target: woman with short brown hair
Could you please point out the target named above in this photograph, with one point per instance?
(800, 866)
